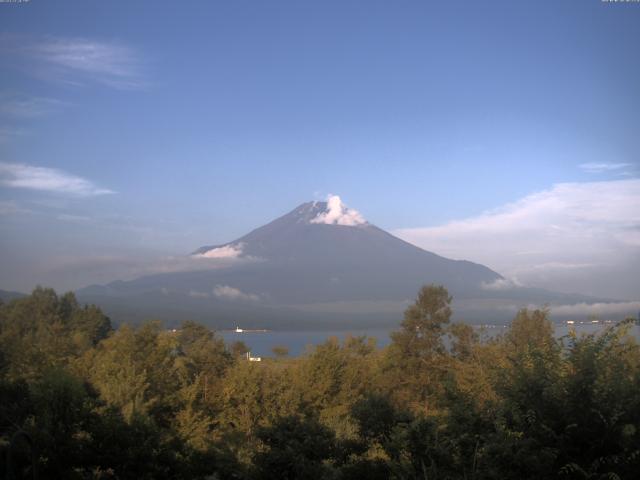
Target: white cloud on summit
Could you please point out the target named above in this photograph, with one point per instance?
(18, 175)
(581, 237)
(338, 213)
(231, 293)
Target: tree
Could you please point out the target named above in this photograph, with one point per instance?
(43, 330)
(423, 324)
(332, 377)
(531, 331)
(463, 340)
(280, 351)
(296, 449)
(239, 349)
(375, 417)
(205, 351)
(417, 355)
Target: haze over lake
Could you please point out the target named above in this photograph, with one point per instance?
(298, 342)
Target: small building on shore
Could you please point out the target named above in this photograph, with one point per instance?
(253, 359)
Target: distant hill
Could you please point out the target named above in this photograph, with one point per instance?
(7, 295)
(322, 265)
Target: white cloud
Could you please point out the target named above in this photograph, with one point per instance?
(9, 207)
(393, 307)
(196, 294)
(75, 61)
(71, 271)
(337, 213)
(563, 266)
(18, 175)
(598, 309)
(26, 106)
(7, 133)
(501, 284)
(231, 293)
(575, 237)
(594, 167)
(66, 217)
(228, 251)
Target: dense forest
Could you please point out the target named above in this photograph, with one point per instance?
(79, 399)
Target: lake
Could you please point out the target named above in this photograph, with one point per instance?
(261, 343)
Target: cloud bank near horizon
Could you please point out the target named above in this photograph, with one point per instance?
(572, 237)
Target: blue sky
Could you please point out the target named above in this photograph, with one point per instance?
(192, 123)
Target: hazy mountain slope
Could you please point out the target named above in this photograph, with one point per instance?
(291, 260)
(320, 263)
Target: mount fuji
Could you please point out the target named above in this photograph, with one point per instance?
(320, 265)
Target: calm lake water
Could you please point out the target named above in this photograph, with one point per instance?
(261, 343)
